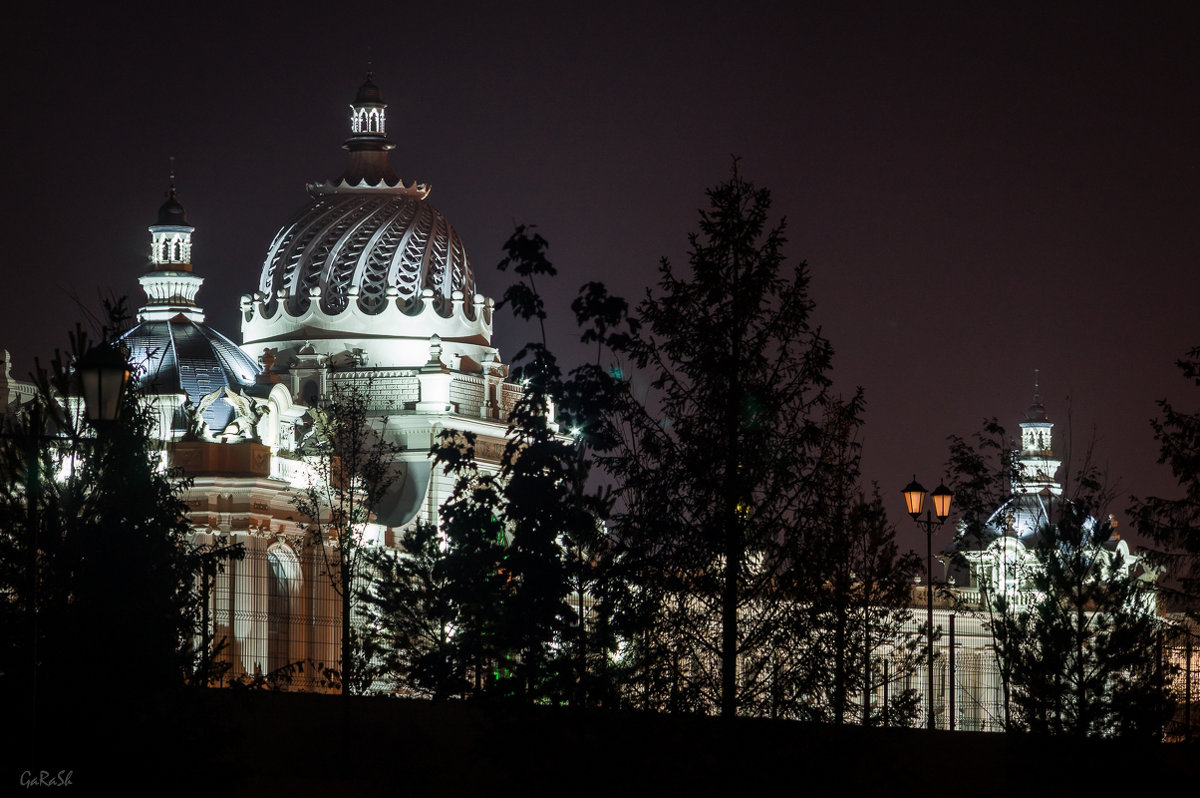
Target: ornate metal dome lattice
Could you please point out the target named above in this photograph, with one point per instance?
(357, 246)
(365, 238)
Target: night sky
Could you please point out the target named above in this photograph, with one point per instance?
(978, 193)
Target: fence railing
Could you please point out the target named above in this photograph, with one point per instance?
(275, 621)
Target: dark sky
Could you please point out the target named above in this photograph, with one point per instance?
(979, 192)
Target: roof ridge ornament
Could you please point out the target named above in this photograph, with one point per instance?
(342, 186)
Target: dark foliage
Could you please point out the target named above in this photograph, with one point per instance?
(856, 593)
(1085, 657)
(522, 539)
(981, 470)
(1073, 623)
(1172, 525)
(717, 444)
(97, 579)
(410, 615)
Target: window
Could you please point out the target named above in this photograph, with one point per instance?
(279, 611)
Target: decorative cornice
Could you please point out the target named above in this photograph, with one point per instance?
(169, 294)
(413, 189)
(396, 319)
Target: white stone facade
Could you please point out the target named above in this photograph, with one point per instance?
(370, 287)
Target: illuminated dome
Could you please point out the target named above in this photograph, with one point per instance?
(365, 234)
(368, 267)
(176, 353)
(182, 356)
(352, 246)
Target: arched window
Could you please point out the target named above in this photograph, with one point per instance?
(279, 608)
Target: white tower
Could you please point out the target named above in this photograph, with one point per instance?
(1036, 466)
(178, 357)
(170, 285)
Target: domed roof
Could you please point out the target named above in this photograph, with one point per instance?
(1036, 411)
(173, 349)
(356, 246)
(365, 235)
(368, 92)
(182, 355)
(171, 212)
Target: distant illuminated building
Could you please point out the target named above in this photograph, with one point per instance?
(1001, 562)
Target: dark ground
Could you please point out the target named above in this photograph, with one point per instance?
(264, 744)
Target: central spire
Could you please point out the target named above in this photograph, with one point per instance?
(368, 152)
(368, 146)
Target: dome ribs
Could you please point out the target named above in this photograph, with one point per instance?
(270, 274)
(355, 247)
(310, 262)
(372, 242)
(374, 267)
(341, 262)
(368, 265)
(462, 272)
(305, 228)
(441, 279)
(182, 356)
(153, 357)
(408, 265)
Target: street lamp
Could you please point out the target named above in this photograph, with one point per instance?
(103, 373)
(914, 500)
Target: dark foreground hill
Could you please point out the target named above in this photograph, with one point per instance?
(266, 744)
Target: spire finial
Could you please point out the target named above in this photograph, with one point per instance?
(1037, 399)
(171, 158)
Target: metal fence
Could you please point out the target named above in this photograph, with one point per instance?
(275, 623)
(968, 685)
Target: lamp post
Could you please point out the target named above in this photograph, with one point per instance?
(103, 373)
(914, 500)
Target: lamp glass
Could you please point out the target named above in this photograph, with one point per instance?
(103, 374)
(914, 498)
(941, 501)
